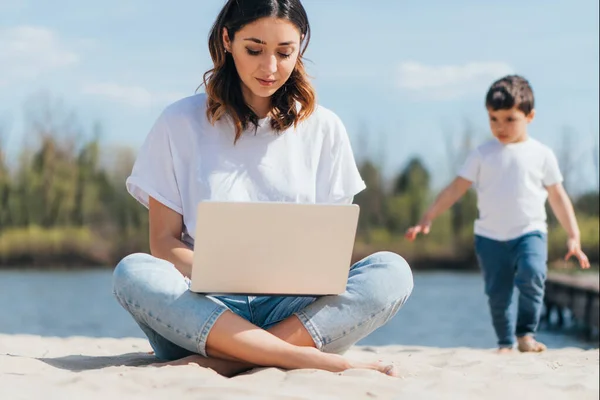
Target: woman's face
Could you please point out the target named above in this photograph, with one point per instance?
(265, 54)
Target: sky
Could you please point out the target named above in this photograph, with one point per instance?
(405, 76)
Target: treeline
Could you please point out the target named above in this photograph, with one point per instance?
(62, 200)
(63, 203)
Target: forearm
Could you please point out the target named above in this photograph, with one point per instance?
(564, 212)
(175, 251)
(444, 201)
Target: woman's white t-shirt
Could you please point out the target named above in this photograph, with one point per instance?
(185, 160)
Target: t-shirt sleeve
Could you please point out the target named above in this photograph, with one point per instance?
(552, 174)
(470, 168)
(345, 200)
(153, 174)
(345, 180)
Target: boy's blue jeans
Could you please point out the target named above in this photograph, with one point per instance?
(521, 262)
(177, 322)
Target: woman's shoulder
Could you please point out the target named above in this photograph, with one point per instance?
(325, 115)
(327, 121)
(193, 106)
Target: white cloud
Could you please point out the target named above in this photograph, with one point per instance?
(28, 51)
(134, 96)
(444, 82)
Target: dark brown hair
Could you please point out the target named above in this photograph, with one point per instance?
(508, 92)
(222, 82)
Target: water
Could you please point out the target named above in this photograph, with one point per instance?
(445, 310)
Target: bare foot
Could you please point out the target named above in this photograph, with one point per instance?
(231, 368)
(344, 365)
(222, 367)
(504, 350)
(528, 344)
(337, 363)
(387, 369)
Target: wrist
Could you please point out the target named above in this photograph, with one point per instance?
(574, 236)
(427, 218)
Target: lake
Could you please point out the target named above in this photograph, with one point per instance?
(446, 309)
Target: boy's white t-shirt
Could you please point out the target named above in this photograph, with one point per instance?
(511, 182)
(185, 160)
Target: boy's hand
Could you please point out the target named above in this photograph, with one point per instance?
(574, 248)
(443, 202)
(422, 227)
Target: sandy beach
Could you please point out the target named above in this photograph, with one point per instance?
(78, 367)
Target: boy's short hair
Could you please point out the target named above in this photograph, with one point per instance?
(508, 92)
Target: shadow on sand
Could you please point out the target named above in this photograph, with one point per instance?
(77, 363)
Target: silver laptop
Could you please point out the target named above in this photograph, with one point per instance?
(261, 248)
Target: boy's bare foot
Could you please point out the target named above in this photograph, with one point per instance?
(504, 350)
(528, 344)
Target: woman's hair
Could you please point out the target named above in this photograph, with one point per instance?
(222, 82)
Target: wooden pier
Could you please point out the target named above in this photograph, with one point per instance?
(577, 295)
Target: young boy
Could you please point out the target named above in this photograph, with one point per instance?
(513, 175)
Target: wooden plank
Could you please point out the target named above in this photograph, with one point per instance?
(579, 293)
(587, 282)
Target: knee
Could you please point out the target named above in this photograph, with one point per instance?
(531, 276)
(500, 300)
(128, 271)
(396, 282)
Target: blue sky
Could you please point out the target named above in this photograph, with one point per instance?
(408, 74)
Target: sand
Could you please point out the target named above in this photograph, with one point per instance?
(33, 367)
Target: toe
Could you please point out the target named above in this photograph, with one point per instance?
(389, 370)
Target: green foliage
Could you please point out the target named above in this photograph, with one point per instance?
(590, 238)
(588, 204)
(65, 202)
(61, 202)
(60, 246)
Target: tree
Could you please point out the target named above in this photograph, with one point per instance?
(371, 200)
(566, 158)
(413, 184)
(588, 204)
(595, 156)
(5, 186)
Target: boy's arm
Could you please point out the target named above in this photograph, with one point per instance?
(563, 209)
(443, 202)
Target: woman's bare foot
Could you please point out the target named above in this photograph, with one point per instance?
(338, 363)
(222, 367)
(528, 344)
(387, 369)
(232, 368)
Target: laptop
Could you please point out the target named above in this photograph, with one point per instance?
(266, 248)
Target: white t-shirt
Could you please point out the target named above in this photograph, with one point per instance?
(185, 160)
(511, 182)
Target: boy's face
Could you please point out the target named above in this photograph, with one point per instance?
(509, 126)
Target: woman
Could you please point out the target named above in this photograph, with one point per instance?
(256, 135)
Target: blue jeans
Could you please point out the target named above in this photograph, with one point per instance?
(177, 321)
(521, 262)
